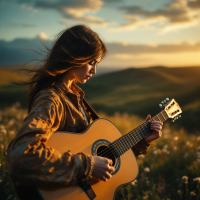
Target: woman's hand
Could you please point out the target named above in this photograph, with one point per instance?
(156, 128)
(102, 168)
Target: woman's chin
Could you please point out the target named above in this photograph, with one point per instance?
(82, 81)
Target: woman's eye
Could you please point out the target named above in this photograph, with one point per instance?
(91, 62)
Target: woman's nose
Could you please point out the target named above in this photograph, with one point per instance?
(93, 70)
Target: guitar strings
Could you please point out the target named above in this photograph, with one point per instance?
(141, 127)
(122, 144)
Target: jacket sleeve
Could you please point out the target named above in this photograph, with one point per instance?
(32, 161)
(141, 148)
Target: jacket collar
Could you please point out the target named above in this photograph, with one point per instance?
(66, 90)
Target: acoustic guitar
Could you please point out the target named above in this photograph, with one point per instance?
(102, 138)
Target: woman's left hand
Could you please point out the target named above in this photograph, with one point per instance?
(156, 128)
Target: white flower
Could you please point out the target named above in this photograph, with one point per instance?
(179, 192)
(189, 144)
(176, 138)
(175, 148)
(185, 179)
(166, 146)
(198, 154)
(168, 152)
(141, 156)
(146, 169)
(3, 131)
(134, 182)
(196, 179)
(192, 193)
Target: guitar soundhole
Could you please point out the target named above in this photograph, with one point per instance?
(105, 151)
(102, 148)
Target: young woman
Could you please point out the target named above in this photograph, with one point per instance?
(56, 104)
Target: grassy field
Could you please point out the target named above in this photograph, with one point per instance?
(169, 171)
(134, 91)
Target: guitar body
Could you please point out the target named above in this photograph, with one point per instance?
(99, 130)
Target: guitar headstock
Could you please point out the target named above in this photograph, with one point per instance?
(172, 109)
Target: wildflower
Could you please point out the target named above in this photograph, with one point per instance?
(192, 193)
(2, 146)
(11, 132)
(198, 154)
(179, 192)
(134, 182)
(168, 152)
(164, 150)
(166, 146)
(189, 144)
(175, 148)
(176, 138)
(11, 122)
(141, 156)
(185, 179)
(197, 179)
(146, 169)
(155, 152)
(3, 131)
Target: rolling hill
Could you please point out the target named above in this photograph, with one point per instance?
(134, 90)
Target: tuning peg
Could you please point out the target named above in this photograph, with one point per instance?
(179, 116)
(172, 120)
(162, 102)
(167, 99)
(160, 105)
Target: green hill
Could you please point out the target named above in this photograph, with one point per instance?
(139, 91)
(134, 90)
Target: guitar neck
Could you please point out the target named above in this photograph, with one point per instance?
(124, 143)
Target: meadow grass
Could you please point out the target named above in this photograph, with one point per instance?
(169, 170)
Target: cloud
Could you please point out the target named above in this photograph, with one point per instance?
(194, 4)
(173, 16)
(126, 50)
(76, 10)
(43, 36)
(120, 54)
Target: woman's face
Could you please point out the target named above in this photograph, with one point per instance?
(82, 74)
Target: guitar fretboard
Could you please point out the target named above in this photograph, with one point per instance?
(124, 143)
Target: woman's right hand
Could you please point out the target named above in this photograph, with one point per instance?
(102, 168)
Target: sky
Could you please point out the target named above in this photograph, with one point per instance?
(137, 33)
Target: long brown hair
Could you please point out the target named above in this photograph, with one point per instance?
(74, 47)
